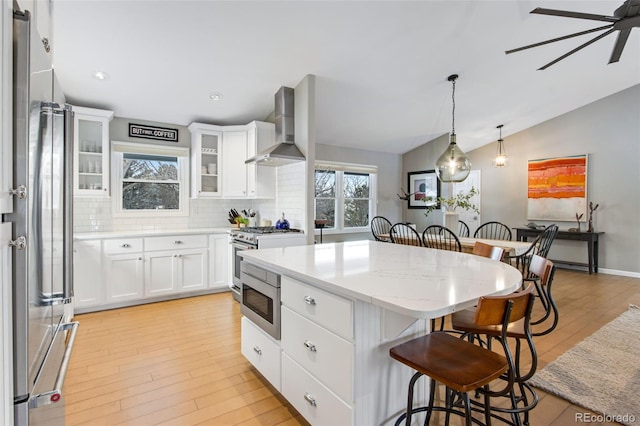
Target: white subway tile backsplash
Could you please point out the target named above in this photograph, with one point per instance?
(95, 214)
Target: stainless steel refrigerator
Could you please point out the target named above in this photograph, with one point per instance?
(41, 224)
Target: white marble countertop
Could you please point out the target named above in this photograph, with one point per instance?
(413, 281)
(149, 233)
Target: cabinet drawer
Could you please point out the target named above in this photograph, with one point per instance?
(328, 310)
(175, 242)
(123, 246)
(324, 354)
(313, 400)
(261, 351)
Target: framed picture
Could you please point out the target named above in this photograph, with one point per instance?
(423, 184)
(557, 188)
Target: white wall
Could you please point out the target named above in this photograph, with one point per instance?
(609, 131)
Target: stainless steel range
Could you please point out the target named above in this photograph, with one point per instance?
(260, 237)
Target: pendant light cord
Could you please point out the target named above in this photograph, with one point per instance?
(453, 110)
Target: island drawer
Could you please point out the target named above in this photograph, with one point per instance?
(311, 398)
(324, 308)
(123, 245)
(175, 242)
(324, 354)
(261, 351)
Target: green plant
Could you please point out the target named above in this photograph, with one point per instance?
(450, 204)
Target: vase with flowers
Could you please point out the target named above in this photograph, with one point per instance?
(449, 205)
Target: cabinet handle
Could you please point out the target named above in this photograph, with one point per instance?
(177, 242)
(310, 399)
(20, 192)
(105, 189)
(257, 350)
(309, 300)
(139, 258)
(125, 245)
(20, 243)
(310, 346)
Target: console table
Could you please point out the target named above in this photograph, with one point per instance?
(591, 238)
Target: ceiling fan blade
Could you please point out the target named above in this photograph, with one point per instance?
(558, 39)
(619, 46)
(582, 46)
(579, 15)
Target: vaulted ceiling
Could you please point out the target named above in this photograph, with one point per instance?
(381, 67)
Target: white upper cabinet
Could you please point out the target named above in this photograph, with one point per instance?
(91, 151)
(206, 150)
(218, 156)
(261, 180)
(234, 171)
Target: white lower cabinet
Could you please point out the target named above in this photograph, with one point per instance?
(219, 248)
(115, 270)
(87, 262)
(317, 364)
(124, 275)
(322, 353)
(192, 269)
(160, 273)
(261, 350)
(311, 398)
(175, 271)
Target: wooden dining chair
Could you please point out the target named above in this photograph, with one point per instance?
(540, 246)
(462, 366)
(463, 229)
(401, 233)
(380, 226)
(440, 237)
(493, 231)
(487, 250)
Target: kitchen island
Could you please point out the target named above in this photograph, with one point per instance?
(344, 305)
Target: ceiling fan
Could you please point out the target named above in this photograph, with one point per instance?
(623, 20)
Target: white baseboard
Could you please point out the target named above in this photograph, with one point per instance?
(618, 272)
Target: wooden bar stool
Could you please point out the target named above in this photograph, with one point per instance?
(463, 366)
(463, 321)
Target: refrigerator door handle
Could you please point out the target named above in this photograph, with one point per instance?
(63, 297)
(68, 204)
(54, 395)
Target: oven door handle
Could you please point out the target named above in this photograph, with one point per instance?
(242, 246)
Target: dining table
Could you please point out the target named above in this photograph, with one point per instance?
(511, 248)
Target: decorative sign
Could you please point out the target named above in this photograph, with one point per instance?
(153, 132)
(557, 188)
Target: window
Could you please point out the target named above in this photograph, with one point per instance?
(345, 196)
(149, 180)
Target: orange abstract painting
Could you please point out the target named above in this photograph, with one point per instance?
(557, 188)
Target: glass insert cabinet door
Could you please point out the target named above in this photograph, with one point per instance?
(209, 170)
(91, 143)
(206, 156)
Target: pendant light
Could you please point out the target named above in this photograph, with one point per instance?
(501, 154)
(453, 165)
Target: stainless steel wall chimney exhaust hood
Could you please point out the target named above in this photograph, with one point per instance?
(284, 151)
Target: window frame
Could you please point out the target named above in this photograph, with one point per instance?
(340, 169)
(119, 149)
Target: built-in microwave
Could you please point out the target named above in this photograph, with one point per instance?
(260, 298)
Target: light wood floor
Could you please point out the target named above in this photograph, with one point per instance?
(179, 362)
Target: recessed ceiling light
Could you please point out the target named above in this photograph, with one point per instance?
(100, 75)
(215, 96)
